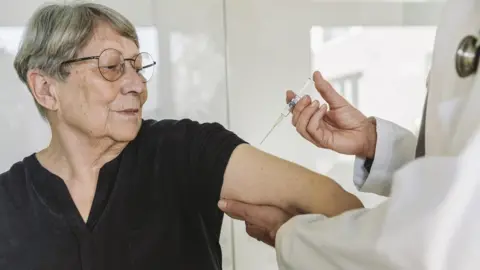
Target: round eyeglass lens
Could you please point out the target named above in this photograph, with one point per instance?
(144, 65)
(111, 64)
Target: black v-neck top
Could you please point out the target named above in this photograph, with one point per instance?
(155, 206)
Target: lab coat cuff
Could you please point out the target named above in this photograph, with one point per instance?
(360, 173)
(374, 181)
(394, 148)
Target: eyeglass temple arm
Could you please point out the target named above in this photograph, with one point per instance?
(81, 59)
(147, 66)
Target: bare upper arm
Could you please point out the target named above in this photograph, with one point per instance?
(256, 177)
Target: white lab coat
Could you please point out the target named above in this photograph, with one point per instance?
(432, 219)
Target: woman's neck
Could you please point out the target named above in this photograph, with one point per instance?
(76, 157)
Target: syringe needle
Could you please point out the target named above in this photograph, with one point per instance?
(280, 118)
(288, 108)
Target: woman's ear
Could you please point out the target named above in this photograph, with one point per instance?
(43, 89)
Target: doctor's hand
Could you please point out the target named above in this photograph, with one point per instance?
(262, 222)
(342, 128)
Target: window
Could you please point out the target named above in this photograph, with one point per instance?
(378, 70)
(338, 33)
(334, 32)
(347, 86)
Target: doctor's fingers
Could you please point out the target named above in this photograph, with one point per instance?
(314, 126)
(328, 93)
(299, 107)
(261, 234)
(268, 217)
(304, 118)
(310, 120)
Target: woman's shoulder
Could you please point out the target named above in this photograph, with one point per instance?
(180, 134)
(163, 129)
(173, 123)
(167, 134)
(175, 129)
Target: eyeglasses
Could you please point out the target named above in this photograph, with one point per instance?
(111, 64)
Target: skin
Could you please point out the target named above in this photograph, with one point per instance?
(343, 129)
(262, 222)
(258, 178)
(89, 129)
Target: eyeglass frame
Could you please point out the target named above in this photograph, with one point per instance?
(132, 62)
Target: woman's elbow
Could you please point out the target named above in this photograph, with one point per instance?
(346, 202)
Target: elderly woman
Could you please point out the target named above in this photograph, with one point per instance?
(114, 191)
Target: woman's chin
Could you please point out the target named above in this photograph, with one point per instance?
(125, 132)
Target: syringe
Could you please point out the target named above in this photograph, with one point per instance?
(288, 108)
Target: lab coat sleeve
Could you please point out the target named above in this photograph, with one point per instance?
(395, 148)
(430, 222)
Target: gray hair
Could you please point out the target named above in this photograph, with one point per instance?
(57, 32)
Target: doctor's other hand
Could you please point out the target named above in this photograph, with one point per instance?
(342, 128)
(262, 222)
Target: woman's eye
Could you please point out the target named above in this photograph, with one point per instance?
(112, 67)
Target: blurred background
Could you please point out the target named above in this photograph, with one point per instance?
(230, 61)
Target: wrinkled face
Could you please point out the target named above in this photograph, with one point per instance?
(96, 106)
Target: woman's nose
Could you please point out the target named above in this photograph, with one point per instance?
(132, 81)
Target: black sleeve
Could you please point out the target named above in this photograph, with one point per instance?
(194, 157)
(198, 155)
(211, 146)
(199, 151)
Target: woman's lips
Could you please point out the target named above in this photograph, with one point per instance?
(129, 112)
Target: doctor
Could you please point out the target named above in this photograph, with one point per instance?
(431, 220)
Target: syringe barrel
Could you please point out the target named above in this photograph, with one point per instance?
(291, 105)
(288, 109)
(294, 101)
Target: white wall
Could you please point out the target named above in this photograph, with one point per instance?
(231, 61)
